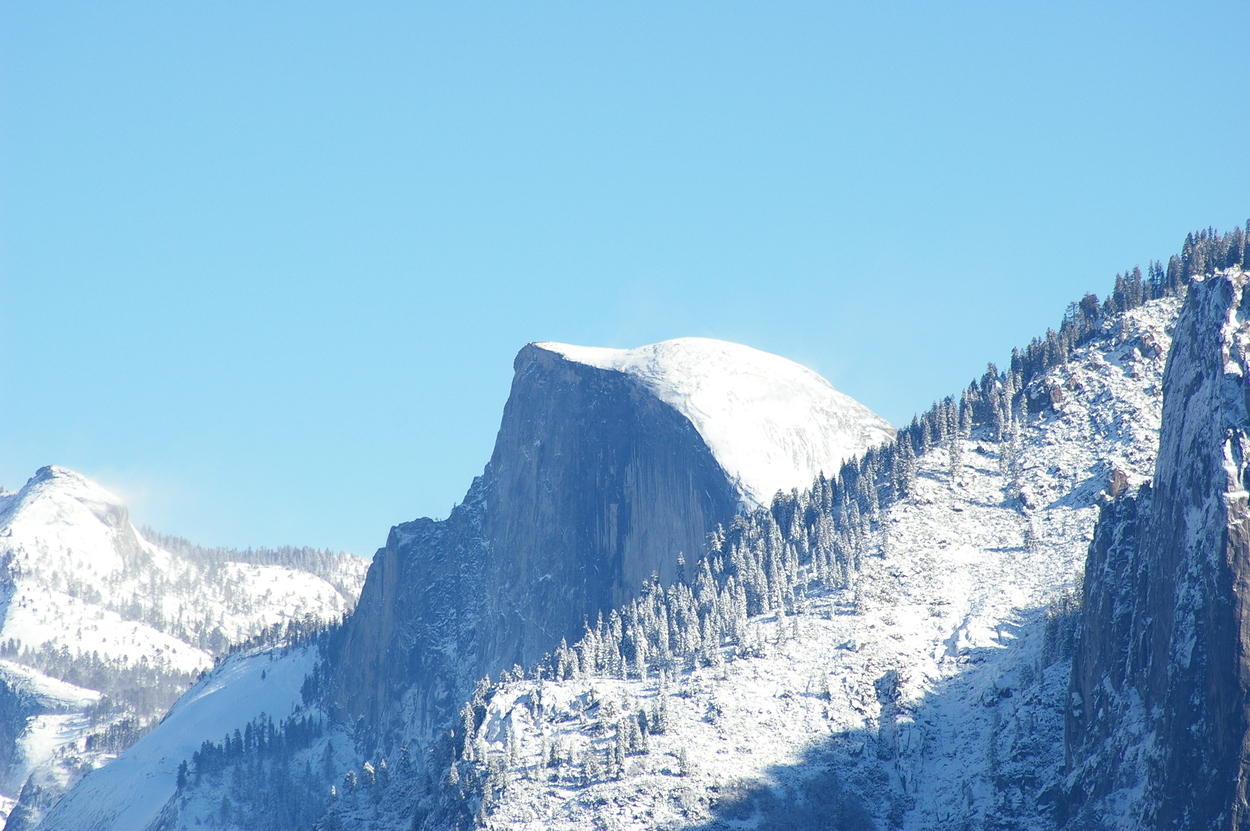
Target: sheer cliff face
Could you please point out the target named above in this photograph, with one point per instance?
(595, 484)
(1157, 728)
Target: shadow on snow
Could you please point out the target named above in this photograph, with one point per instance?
(981, 751)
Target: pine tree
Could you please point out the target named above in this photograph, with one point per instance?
(405, 760)
(467, 726)
(904, 468)
(619, 751)
(954, 443)
(591, 771)
(633, 736)
(510, 745)
(1030, 535)
(657, 724)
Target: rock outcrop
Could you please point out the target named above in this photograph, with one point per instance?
(1158, 725)
(606, 466)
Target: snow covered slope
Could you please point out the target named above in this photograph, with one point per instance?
(927, 693)
(88, 603)
(772, 424)
(132, 790)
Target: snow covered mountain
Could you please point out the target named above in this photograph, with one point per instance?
(607, 466)
(102, 628)
(602, 474)
(907, 642)
(922, 687)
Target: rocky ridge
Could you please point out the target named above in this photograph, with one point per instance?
(1161, 677)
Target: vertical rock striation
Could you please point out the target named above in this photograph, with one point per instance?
(1157, 727)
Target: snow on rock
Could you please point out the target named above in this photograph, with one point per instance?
(80, 576)
(772, 424)
(39, 618)
(1157, 727)
(54, 722)
(61, 517)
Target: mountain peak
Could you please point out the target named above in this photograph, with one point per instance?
(66, 477)
(55, 493)
(62, 483)
(755, 410)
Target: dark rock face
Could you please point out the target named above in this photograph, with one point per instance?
(1158, 728)
(1117, 483)
(594, 485)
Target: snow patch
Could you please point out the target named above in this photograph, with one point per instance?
(772, 424)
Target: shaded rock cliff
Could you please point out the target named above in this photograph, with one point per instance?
(598, 479)
(1157, 728)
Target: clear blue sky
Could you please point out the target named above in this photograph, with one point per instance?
(264, 266)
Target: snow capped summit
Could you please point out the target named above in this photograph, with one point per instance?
(54, 479)
(68, 488)
(771, 423)
(49, 472)
(62, 517)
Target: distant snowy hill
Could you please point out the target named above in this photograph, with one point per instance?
(101, 627)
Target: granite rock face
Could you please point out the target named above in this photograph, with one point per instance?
(1157, 729)
(595, 484)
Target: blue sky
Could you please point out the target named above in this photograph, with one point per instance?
(264, 267)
